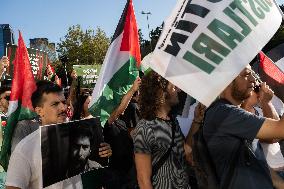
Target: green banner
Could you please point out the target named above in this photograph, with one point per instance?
(88, 73)
(38, 59)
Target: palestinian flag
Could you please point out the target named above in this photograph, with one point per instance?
(120, 67)
(272, 75)
(20, 105)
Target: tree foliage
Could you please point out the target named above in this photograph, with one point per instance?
(83, 47)
(147, 46)
(278, 38)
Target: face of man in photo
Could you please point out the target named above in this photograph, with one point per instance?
(81, 150)
(53, 108)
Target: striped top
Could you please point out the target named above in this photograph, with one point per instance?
(154, 137)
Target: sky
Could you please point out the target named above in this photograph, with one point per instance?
(51, 18)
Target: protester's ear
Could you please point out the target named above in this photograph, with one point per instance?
(39, 112)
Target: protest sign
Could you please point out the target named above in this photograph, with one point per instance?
(205, 44)
(89, 74)
(38, 60)
(70, 148)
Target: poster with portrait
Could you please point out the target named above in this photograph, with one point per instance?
(70, 149)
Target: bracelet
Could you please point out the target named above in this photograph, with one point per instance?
(198, 122)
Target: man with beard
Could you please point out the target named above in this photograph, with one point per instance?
(158, 140)
(81, 140)
(25, 165)
(229, 131)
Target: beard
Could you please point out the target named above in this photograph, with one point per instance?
(171, 100)
(239, 95)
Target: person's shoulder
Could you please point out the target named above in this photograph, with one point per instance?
(220, 105)
(27, 122)
(31, 139)
(143, 126)
(143, 123)
(149, 127)
(27, 126)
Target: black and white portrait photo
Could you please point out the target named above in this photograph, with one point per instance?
(70, 149)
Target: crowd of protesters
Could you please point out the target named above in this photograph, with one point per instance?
(145, 143)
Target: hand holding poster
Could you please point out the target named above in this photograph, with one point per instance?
(206, 44)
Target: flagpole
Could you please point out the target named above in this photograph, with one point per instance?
(6, 54)
(66, 73)
(64, 59)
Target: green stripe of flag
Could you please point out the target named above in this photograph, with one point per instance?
(115, 89)
(20, 113)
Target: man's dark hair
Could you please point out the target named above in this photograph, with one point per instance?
(80, 131)
(151, 93)
(44, 87)
(79, 105)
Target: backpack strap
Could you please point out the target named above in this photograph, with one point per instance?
(163, 159)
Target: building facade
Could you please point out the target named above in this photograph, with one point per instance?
(44, 45)
(6, 36)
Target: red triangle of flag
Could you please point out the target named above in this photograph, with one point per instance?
(23, 84)
(270, 68)
(130, 40)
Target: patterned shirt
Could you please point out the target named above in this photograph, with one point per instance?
(154, 138)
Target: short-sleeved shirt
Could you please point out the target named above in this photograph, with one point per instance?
(23, 129)
(226, 129)
(154, 138)
(25, 168)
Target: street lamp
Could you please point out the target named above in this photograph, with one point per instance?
(147, 16)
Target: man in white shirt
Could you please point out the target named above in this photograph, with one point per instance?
(25, 166)
(25, 169)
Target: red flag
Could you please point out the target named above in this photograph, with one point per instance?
(272, 75)
(20, 105)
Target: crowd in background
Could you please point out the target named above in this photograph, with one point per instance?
(147, 144)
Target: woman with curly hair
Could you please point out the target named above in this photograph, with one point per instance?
(158, 140)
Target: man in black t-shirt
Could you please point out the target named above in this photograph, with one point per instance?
(228, 130)
(121, 173)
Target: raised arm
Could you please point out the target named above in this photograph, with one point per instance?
(265, 97)
(271, 129)
(124, 101)
(197, 121)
